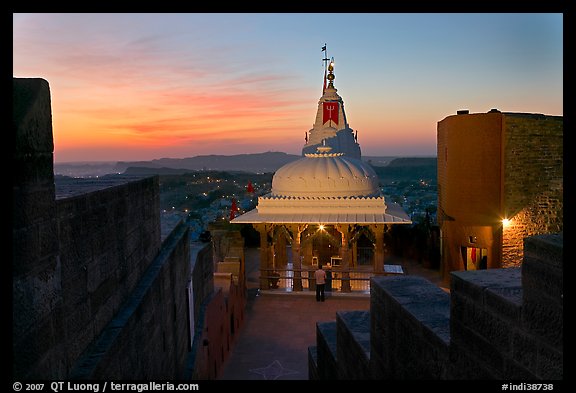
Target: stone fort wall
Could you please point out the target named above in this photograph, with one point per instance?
(95, 292)
(498, 324)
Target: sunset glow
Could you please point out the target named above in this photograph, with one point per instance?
(146, 86)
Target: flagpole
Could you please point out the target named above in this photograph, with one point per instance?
(325, 60)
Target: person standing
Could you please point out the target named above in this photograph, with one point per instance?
(320, 276)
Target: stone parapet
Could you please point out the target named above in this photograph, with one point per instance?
(410, 328)
(486, 311)
(326, 343)
(313, 363)
(353, 344)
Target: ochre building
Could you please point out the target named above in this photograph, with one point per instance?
(500, 180)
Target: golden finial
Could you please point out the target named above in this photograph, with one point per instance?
(331, 76)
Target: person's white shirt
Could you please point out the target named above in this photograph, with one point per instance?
(320, 276)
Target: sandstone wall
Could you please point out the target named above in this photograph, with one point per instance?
(533, 180)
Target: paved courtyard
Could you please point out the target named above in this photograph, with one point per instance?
(279, 327)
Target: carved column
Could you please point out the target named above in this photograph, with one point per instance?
(280, 252)
(296, 260)
(345, 254)
(264, 254)
(378, 231)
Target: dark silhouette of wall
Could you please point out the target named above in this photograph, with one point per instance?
(219, 310)
(95, 292)
(503, 324)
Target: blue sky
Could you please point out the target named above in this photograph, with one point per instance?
(144, 86)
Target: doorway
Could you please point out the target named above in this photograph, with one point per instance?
(474, 258)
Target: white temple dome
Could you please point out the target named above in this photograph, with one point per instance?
(325, 175)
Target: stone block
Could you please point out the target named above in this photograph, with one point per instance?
(353, 344)
(547, 249)
(545, 321)
(25, 249)
(33, 205)
(542, 281)
(505, 302)
(489, 357)
(32, 347)
(75, 287)
(313, 363)
(32, 115)
(410, 328)
(472, 283)
(514, 371)
(550, 363)
(524, 350)
(326, 343)
(465, 366)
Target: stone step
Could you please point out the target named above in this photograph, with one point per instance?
(327, 352)
(353, 344)
(313, 363)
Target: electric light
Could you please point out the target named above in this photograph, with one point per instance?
(505, 222)
(321, 227)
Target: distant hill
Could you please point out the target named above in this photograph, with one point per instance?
(257, 162)
(144, 171)
(267, 162)
(413, 161)
(408, 169)
(84, 169)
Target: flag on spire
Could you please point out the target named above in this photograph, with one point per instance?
(324, 48)
(250, 188)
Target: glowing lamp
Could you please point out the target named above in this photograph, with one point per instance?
(505, 222)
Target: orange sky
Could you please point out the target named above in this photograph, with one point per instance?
(145, 86)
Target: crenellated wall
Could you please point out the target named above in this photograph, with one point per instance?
(95, 293)
(503, 324)
(37, 306)
(220, 300)
(147, 338)
(108, 238)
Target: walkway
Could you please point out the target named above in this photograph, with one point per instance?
(279, 327)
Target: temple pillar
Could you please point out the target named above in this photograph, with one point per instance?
(265, 261)
(345, 254)
(378, 231)
(280, 252)
(296, 259)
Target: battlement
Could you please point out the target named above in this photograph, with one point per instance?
(494, 324)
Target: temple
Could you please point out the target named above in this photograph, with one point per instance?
(325, 208)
